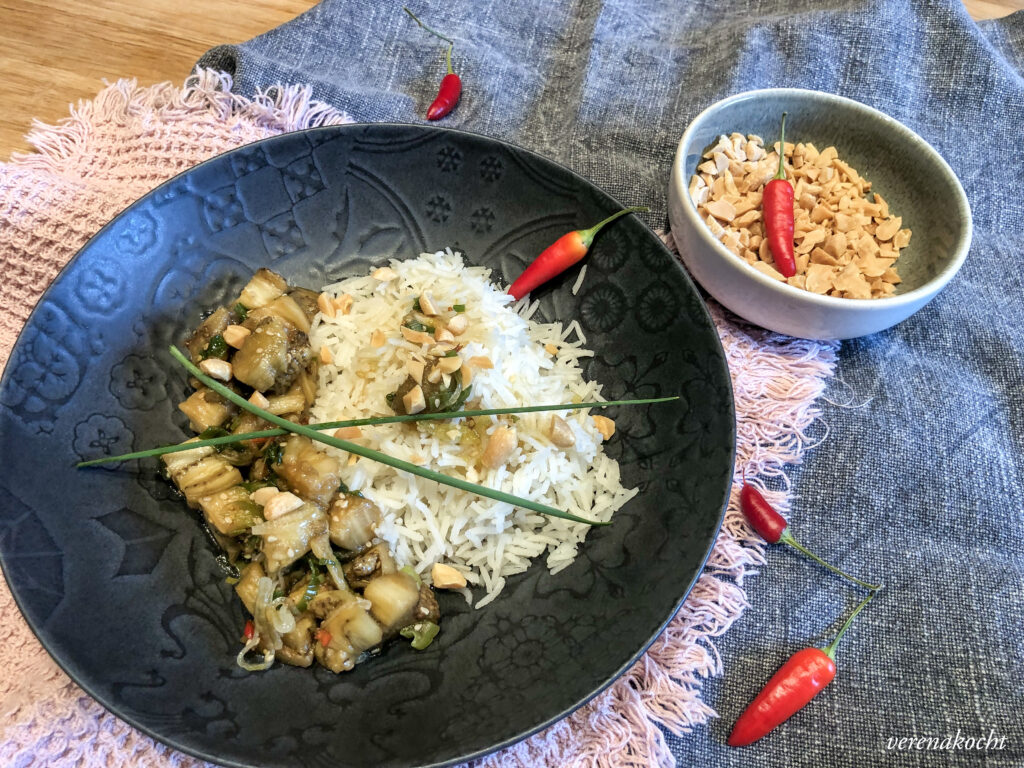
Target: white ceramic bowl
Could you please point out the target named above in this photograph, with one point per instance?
(913, 178)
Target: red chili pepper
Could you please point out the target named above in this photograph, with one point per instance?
(324, 637)
(798, 681)
(562, 254)
(773, 528)
(451, 85)
(777, 203)
(249, 631)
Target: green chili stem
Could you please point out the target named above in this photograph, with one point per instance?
(588, 235)
(367, 422)
(435, 33)
(830, 651)
(789, 538)
(782, 150)
(369, 453)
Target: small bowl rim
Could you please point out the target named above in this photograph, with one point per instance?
(922, 292)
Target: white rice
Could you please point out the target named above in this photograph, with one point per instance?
(425, 522)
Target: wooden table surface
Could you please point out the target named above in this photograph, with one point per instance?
(56, 52)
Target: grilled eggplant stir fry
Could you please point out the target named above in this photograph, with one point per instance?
(311, 574)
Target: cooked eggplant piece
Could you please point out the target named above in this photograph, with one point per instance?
(310, 473)
(288, 310)
(205, 409)
(427, 608)
(292, 401)
(367, 566)
(393, 598)
(306, 299)
(297, 645)
(273, 355)
(263, 288)
(286, 538)
(328, 600)
(351, 631)
(231, 511)
(248, 585)
(353, 521)
(199, 341)
(200, 472)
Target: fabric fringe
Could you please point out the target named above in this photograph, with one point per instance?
(275, 109)
(126, 141)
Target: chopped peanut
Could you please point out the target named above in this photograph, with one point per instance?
(348, 433)
(344, 303)
(326, 305)
(458, 325)
(281, 503)
(415, 368)
(235, 335)
(427, 305)
(414, 401)
(605, 426)
(417, 337)
(445, 577)
(384, 274)
(377, 339)
(551, 349)
(480, 361)
(262, 495)
(561, 433)
(325, 355)
(500, 445)
(259, 400)
(442, 334)
(449, 364)
(216, 368)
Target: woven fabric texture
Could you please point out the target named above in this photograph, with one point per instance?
(129, 139)
(918, 481)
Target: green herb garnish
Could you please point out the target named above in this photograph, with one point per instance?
(453, 414)
(415, 325)
(241, 311)
(459, 307)
(216, 348)
(369, 453)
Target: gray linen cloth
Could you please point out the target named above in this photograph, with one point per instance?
(921, 484)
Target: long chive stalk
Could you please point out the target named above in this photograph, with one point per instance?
(367, 422)
(369, 453)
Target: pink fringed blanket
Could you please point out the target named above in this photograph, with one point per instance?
(116, 148)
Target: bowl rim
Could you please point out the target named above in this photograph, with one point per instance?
(922, 293)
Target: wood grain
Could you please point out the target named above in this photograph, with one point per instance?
(56, 52)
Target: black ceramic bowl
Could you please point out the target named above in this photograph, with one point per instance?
(116, 578)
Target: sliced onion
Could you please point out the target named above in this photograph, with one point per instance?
(321, 547)
(281, 616)
(248, 666)
(261, 613)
